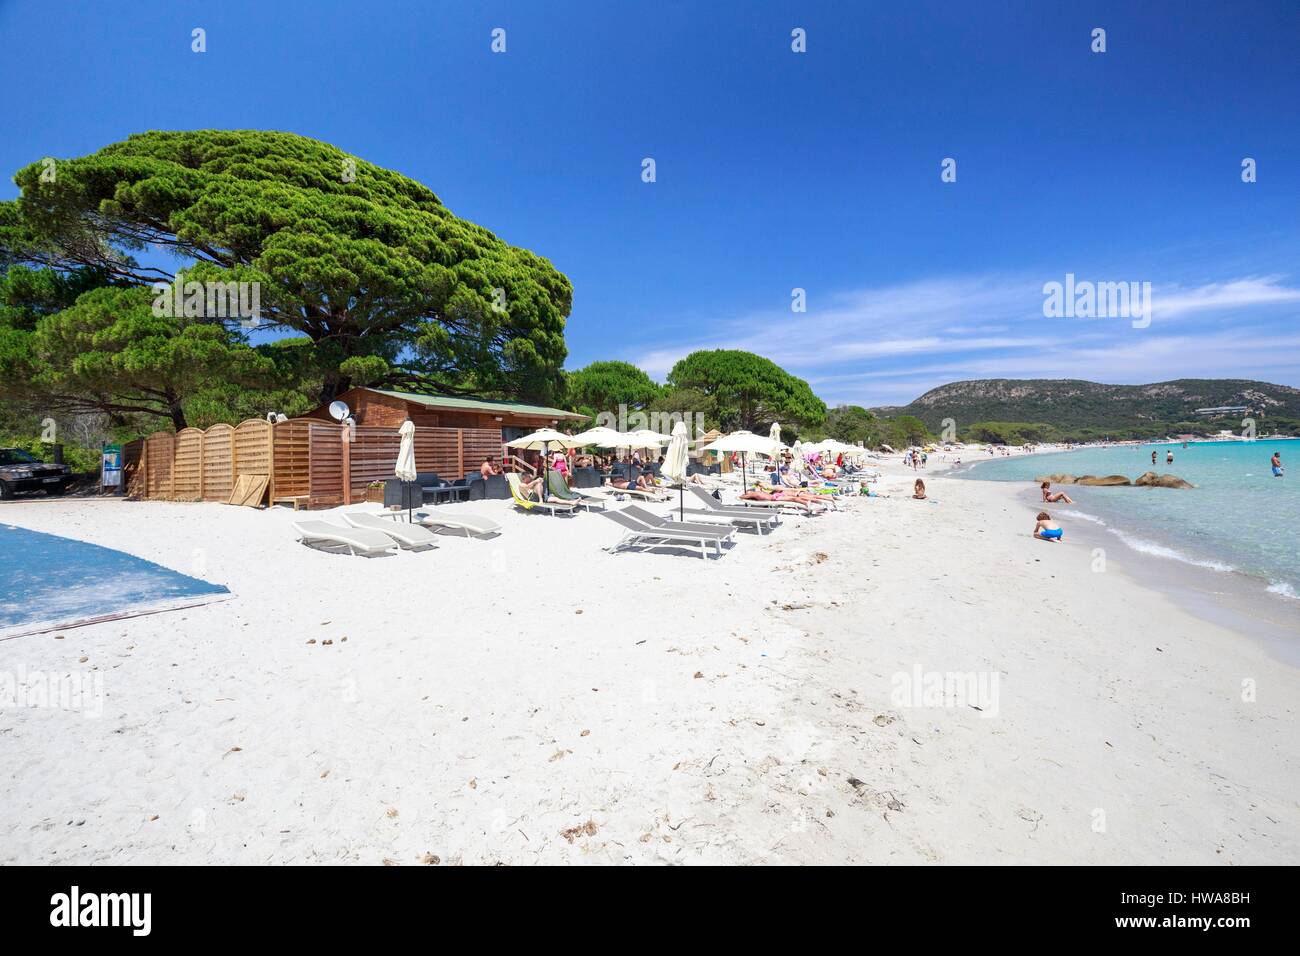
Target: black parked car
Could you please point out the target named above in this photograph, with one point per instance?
(19, 471)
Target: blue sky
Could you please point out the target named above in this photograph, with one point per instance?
(775, 170)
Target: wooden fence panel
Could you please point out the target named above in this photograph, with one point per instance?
(436, 449)
(291, 447)
(160, 449)
(373, 458)
(480, 443)
(187, 470)
(133, 476)
(218, 462)
(301, 457)
(326, 450)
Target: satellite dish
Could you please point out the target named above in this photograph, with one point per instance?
(340, 410)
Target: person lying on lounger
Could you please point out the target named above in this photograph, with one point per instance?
(644, 482)
(785, 496)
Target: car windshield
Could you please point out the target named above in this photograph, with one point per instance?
(15, 456)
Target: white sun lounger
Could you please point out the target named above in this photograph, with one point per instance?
(672, 535)
(409, 536)
(609, 491)
(476, 525)
(330, 537)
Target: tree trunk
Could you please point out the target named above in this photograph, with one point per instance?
(334, 385)
(177, 413)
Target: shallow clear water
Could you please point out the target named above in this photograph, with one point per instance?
(47, 578)
(1237, 518)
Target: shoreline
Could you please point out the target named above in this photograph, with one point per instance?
(652, 708)
(1244, 601)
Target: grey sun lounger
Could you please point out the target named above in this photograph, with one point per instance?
(409, 536)
(637, 532)
(330, 537)
(763, 521)
(475, 525)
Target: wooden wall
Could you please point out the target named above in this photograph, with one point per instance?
(372, 410)
(302, 457)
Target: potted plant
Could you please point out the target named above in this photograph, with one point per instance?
(375, 493)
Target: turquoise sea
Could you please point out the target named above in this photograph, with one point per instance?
(1238, 518)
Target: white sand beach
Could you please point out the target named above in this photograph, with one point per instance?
(534, 699)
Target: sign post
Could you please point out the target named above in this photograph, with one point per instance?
(110, 467)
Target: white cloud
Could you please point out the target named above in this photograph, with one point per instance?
(888, 345)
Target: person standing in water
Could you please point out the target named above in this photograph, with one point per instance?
(1169, 457)
(1276, 464)
(1153, 457)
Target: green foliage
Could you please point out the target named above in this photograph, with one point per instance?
(748, 391)
(108, 352)
(1084, 411)
(688, 402)
(905, 430)
(852, 424)
(603, 386)
(1012, 433)
(388, 286)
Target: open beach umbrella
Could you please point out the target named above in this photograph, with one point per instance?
(743, 442)
(645, 438)
(675, 465)
(404, 471)
(600, 437)
(540, 440)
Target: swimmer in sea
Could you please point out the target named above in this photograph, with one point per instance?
(1047, 529)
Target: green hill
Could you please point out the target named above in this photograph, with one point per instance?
(1080, 410)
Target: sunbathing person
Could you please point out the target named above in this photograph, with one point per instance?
(531, 487)
(1051, 497)
(1046, 528)
(918, 490)
(784, 496)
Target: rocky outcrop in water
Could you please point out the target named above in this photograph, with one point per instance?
(1147, 480)
(1105, 481)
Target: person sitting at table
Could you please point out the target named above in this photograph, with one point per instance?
(489, 467)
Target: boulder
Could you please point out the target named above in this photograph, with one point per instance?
(1149, 479)
(1056, 479)
(1104, 481)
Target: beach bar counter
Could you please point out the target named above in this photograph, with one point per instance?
(314, 461)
